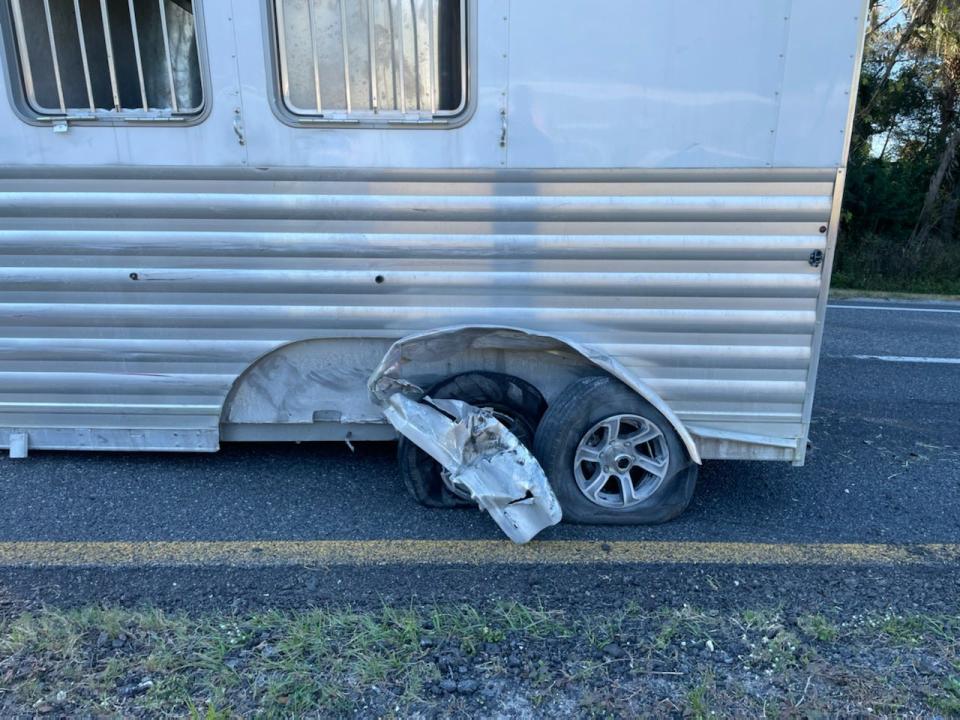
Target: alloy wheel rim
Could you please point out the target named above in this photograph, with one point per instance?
(621, 461)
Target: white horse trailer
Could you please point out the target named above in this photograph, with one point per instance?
(601, 231)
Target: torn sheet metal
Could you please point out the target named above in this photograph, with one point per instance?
(479, 454)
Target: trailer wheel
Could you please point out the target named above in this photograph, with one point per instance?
(612, 458)
(514, 402)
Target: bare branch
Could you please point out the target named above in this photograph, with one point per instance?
(923, 16)
(886, 21)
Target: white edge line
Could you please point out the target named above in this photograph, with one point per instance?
(893, 309)
(908, 359)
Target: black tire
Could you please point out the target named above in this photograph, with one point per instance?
(516, 403)
(580, 408)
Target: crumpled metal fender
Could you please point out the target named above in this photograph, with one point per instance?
(480, 456)
(406, 351)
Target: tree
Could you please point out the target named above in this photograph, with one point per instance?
(903, 189)
(939, 36)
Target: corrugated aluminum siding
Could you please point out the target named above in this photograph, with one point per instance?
(133, 304)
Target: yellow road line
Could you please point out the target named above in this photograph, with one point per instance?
(462, 552)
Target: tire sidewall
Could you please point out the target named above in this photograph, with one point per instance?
(606, 398)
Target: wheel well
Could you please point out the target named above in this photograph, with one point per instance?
(330, 379)
(548, 362)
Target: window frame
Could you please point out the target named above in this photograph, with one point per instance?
(451, 121)
(20, 101)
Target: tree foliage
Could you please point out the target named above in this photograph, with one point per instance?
(900, 224)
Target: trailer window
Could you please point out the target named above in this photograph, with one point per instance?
(391, 61)
(108, 59)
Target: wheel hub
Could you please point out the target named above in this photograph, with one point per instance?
(617, 457)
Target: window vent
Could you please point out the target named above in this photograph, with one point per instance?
(109, 59)
(372, 60)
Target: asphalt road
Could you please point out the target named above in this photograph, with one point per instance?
(884, 469)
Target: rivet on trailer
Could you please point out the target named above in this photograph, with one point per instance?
(567, 252)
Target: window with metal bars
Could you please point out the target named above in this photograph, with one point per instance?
(390, 61)
(108, 59)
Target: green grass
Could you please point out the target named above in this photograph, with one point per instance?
(947, 701)
(819, 627)
(945, 288)
(291, 663)
(916, 630)
(698, 706)
(845, 293)
(876, 263)
(389, 662)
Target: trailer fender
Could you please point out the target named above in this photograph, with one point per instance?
(442, 346)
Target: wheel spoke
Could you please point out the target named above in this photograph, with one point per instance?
(596, 483)
(612, 428)
(651, 465)
(588, 453)
(645, 434)
(626, 489)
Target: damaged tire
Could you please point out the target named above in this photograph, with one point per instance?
(514, 402)
(612, 458)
